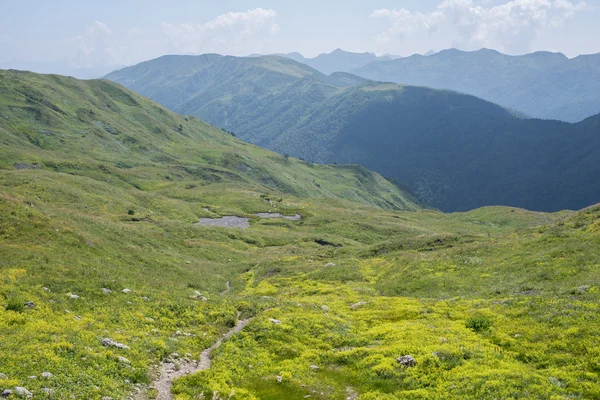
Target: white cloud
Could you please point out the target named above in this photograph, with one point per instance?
(95, 47)
(236, 33)
(510, 27)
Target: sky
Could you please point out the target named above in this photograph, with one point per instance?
(68, 35)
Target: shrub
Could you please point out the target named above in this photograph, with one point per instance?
(479, 324)
(131, 211)
(16, 304)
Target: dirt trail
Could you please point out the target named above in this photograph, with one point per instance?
(227, 288)
(168, 374)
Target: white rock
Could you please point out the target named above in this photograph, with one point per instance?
(72, 296)
(3, 376)
(279, 378)
(21, 391)
(124, 360)
(106, 290)
(126, 290)
(314, 367)
(106, 342)
(325, 308)
(6, 393)
(275, 321)
(330, 265)
(359, 304)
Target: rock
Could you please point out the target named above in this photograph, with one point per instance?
(314, 367)
(325, 308)
(198, 296)
(6, 393)
(72, 296)
(583, 289)
(48, 391)
(175, 355)
(29, 304)
(123, 360)
(126, 291)
(106, 290)
(106, 342)
(32, 377)
(330, 264)
(279, 379)
(46, 375)
(169, 365)
(46, 289)
(21, 391)
(359, 304)
(407, 361)
(275, 321)
(3, 376)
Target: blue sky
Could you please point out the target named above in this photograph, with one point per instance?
(107, 34)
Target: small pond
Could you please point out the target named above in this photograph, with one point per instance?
(239, 222)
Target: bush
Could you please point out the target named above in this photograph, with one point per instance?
(131, 211)
(479, 324)
(16, 304)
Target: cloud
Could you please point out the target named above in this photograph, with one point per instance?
(236, 33)
(95, 48)
(509, 27)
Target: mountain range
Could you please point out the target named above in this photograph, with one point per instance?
(453, 150)
(541, 85)
(338, 60)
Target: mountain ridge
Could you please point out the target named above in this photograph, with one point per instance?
(542, 84)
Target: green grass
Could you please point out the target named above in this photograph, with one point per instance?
(493, 303)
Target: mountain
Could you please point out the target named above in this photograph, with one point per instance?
(542, 85)
(337, 61)
(110, 287)
(100, 129)
(455, 151)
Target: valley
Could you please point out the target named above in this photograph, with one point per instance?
(102, 191)
(454, 152)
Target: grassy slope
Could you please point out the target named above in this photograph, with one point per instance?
(100, 130)
(424, 275)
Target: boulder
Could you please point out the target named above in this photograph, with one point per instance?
(275, 321)
(106, 342)
(407, 361)
(6, 393)
(106, 290)
(21, 391)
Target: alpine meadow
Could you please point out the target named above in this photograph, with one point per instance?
(238, 213)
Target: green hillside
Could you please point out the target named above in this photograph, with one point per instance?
(456, 152)
(100, 192)
(100, 130)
